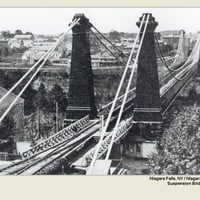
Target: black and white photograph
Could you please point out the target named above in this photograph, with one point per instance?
(99, 91)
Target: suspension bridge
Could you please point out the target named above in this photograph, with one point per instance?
(87, 141)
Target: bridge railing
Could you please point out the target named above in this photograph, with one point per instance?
(59, 137)
(122, 130)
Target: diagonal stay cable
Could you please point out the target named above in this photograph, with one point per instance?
(34, 66)
(127, 90)
(36, 72)
(109, 41)
(117, 57)
(114, 102)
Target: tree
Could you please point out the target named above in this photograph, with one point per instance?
(29, 97)
(13, 77)
(6, 34)
(28, 33)
(41, 104)
(166, 48)
(57, 95)
(192, 94)
(114, 35)
(7, 132)
(158, 35)
(178, 148)
(64, 54)
(4, 51)
(7, 128)
(57, 103)
(18, 32)
(41, 101)
(4, 80)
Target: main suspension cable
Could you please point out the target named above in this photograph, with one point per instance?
(172, 70)
(165, 64)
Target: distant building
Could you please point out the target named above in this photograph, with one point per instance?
(24, 37)
(171, 40)
(104, 60)
(17, 112)
(39, 48)
(14, 43)
(127, 41)
(138, 147)
(20, 41)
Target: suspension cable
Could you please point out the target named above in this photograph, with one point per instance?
(106, 47)
(181, 46)
(127, 90)
(172, 70)
(36, 64)
(171, 73)
(165, 64)
(114, 101)
(109, 41)
(161, 55)
(36, 72)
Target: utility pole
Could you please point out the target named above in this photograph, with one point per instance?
(102, 122)
(57, 125)
(38, 121)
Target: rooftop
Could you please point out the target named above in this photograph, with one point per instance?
(28, 36)
(171, 36)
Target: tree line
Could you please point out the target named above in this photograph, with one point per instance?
(34, 100)
(8, 34)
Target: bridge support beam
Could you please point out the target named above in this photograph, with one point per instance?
(147, 102)
(81, 100)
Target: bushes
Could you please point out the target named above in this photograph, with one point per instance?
(179, 150)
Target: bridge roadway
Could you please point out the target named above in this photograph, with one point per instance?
(64, 148)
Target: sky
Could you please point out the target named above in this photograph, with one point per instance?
(56, 20)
